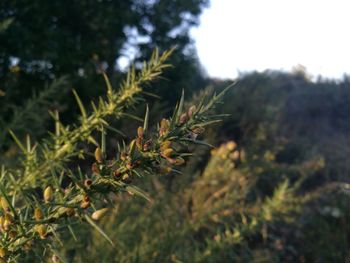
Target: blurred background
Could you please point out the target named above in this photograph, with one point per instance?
(276, 188)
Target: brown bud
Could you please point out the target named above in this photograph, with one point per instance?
(86, 198)
(99, 213)
(129, 165)
(48, 194)
(191, 110)
(140, 132)
(183, 118)
(137, 163)
(198, 130)
(117, 173)
(84, 204)
(147, 146)
(88, 183)
(98, 155)
(179, 161)
(38, 214)
(70, 211)
(94, 168)
(13, 234)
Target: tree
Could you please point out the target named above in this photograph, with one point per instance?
(47, 39)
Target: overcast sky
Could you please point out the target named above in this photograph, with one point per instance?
(245, 35)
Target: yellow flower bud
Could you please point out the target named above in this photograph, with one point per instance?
(42, 231)
(99, 213)
(164, 126)
(167, 153)
(2, 221)
(84, 204)
(165, 145)
(38, 214)
(4, 204)
(3, 252)
(98, 155)
(8, 218)
(48, 194)
(140, 132)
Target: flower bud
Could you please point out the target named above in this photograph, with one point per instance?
(146, 147)
(70, 211)
(167, 153)
(2, 221)
(235, 155)
(3, 252)
(165, 145)
(88, 183)
(55, 259)
(126, 179)
(191, 110)
(164, 126)
(140, 132)
(94, 168)
(98, 155)
(139, 143)
(179, 161)
(13, 234)
(198, 130)
(99, 214)
(117, 174)
(42, 231)
(38, 214)
(84, 204)
(48, 194)
(183, 118)
(4, 204)
(123, 156)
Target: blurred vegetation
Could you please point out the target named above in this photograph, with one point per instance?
(278, 193)
(276, 189)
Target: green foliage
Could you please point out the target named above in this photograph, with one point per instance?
(49, 192)
(263, 200)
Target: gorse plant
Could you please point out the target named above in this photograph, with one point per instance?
(49, 193)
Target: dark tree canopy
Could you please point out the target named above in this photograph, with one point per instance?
(48, 39)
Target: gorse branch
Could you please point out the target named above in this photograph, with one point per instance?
(44, 196)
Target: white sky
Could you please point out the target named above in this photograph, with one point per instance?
(245, 35)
